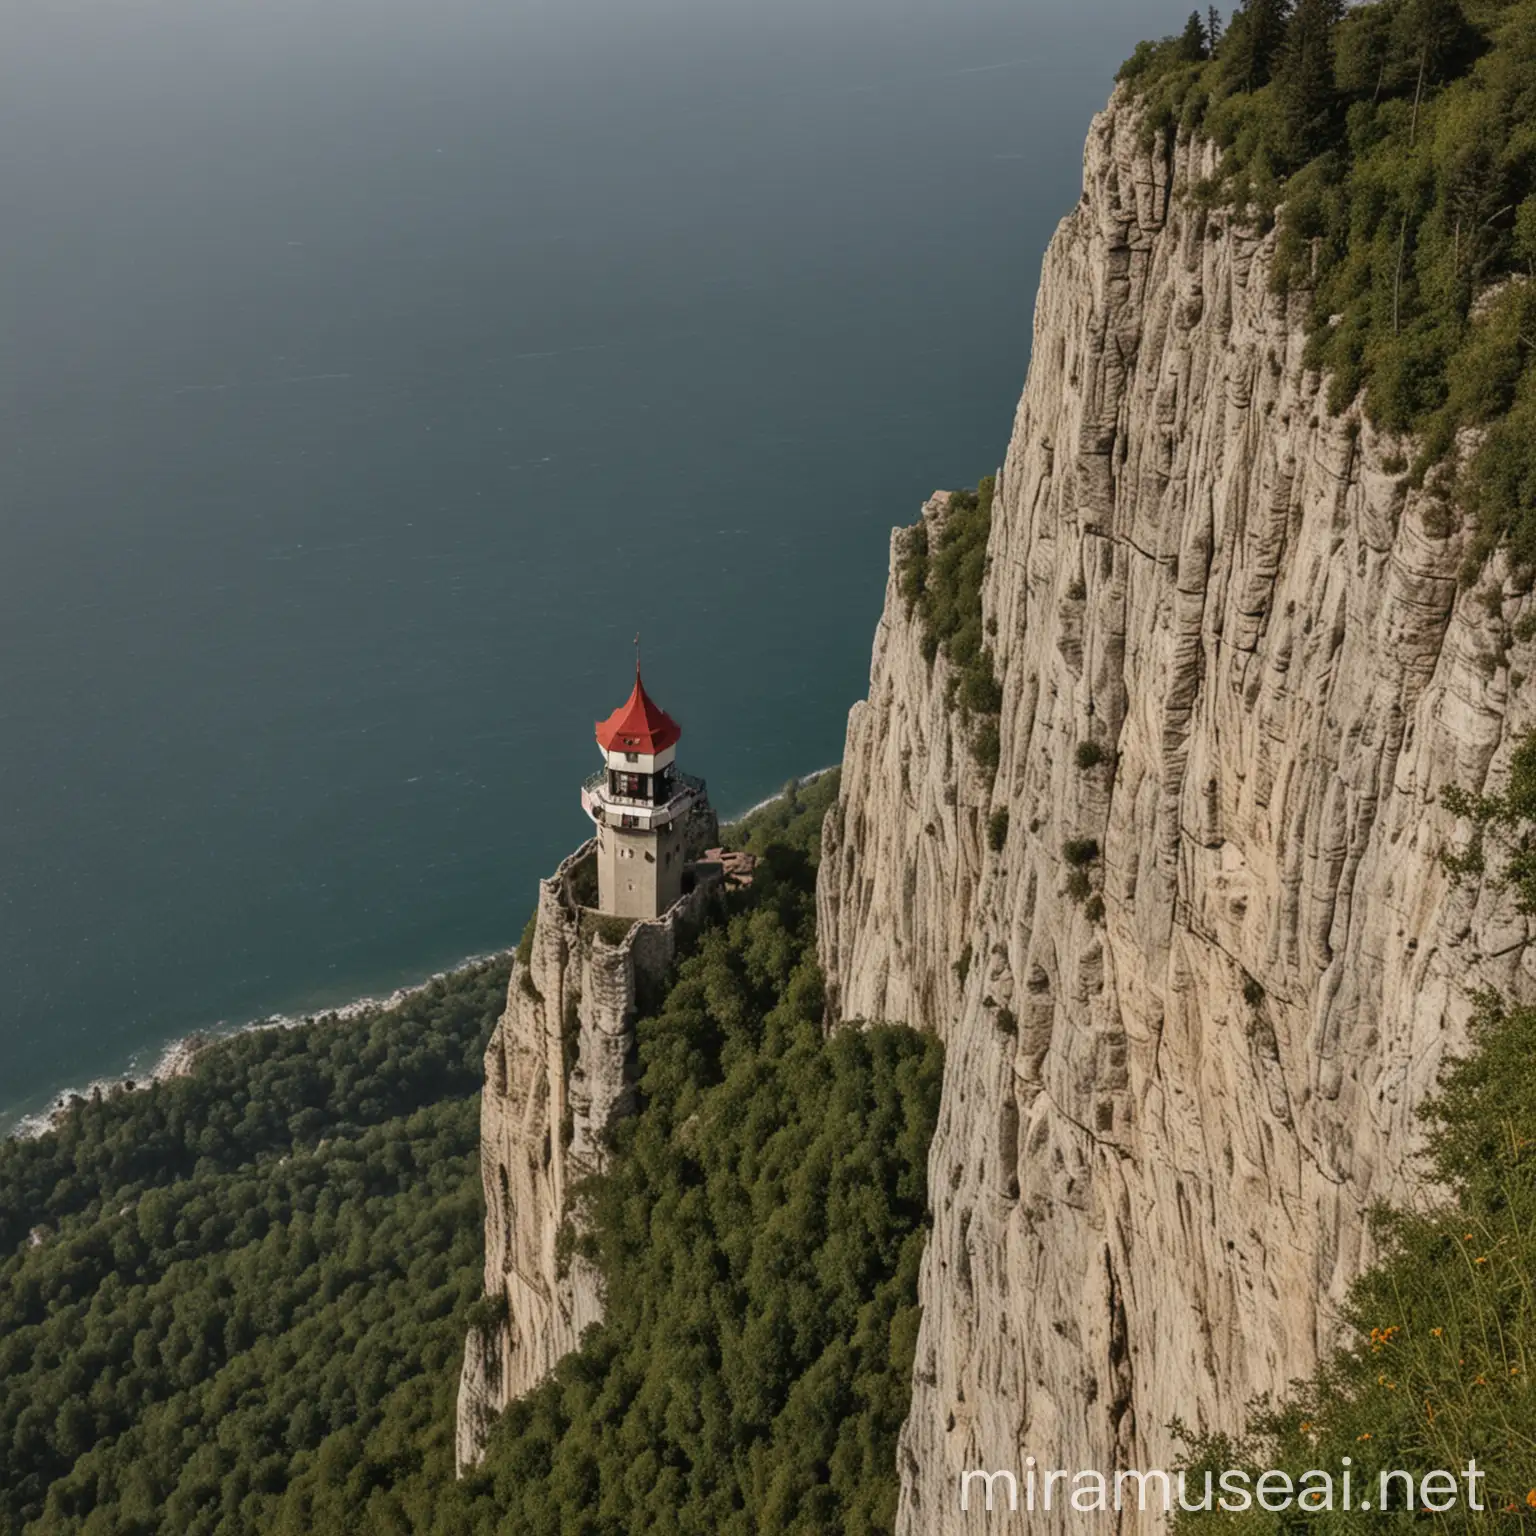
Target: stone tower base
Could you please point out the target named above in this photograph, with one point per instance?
(559, 1074)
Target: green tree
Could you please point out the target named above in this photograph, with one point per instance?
(1401, 192)
(1306, 97)
(264, 1334)
(1364, 51)
(1194, 41)
(1525, 233)
(1431, 39)
(1253, 40)
(1503, 826)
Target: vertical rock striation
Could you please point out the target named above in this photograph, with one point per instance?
(1161, 1127)
(559, 1075)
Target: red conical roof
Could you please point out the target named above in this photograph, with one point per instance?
(638, 725)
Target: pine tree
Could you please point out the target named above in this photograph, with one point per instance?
(1365, 52)
(1255, 35)
(1403, 49)
(1212, 29)
(1430, 37)
(1306, 96)
(1435, 34)
(1192, 43)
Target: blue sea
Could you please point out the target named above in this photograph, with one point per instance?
(372, 371)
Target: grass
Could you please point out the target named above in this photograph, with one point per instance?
(607, 927)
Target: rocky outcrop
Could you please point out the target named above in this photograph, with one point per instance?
(1166, 1109)
(559, 1075)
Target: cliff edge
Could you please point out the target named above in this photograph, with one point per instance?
(1193, 995)
(559, 1074)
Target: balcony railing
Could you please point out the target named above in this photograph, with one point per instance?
(686, 789)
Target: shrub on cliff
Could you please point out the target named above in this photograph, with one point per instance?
(942, 587)
(997, 829)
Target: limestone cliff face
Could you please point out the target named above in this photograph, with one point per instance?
(1161, 1125)
(559, 1074)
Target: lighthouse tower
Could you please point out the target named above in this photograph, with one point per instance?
(640, 804)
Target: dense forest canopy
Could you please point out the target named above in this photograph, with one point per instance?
(246, 1300)
(256, 1094)
(212, 1278)
(1397, 139)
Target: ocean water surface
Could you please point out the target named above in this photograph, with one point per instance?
(372, 371)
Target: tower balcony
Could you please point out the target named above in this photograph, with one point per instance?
(610, 810)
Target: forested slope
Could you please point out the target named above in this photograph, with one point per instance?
(250, 1288)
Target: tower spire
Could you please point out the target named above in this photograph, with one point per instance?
(649, 817)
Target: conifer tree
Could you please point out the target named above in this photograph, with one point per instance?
(1430, 38)
(1212, 29)
(1365, 53)
(1306, 96)
(1403, 48)
(1192, 42)
(1254, 37)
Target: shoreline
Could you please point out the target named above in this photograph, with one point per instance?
(178, 1056)
(778, 794)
